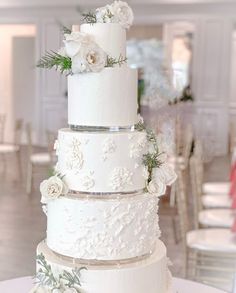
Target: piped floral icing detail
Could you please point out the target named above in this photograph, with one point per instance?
(74, 155)
(120, 178)
(137, 147)
(88, 181)
(108, 147)
(52, 188)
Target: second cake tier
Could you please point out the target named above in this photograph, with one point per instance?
(103, 162)
(103, 228)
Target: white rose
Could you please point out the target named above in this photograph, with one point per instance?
(156, 187)
(165, 174)
(95, 57)
(123, 14)
(74, 41)
(104, 15)
(52, 188)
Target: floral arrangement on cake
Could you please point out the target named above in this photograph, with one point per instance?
(67, 282)
(117, 12)
(80, 52)
(159, 173)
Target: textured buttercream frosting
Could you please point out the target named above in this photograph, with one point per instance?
(103, 228)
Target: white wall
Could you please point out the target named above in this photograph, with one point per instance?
(7, 34)
(23, 77)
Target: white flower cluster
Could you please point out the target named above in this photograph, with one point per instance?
(117, 12)
(52, 188)
(84, 52)
(161, 177)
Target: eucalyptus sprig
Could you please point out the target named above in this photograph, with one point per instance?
(89, 17)
(113, 61)
(44, 275)
(72, 278)
(54, 59)
(67, 279)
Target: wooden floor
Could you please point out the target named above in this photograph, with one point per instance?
(23, 224)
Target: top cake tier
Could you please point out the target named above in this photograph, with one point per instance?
(111, 37)
(107, 98)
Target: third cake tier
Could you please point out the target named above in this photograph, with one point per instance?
(103, 228)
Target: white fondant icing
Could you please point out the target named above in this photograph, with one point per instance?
(104, 229)
(110, 37)
(103, 163)
(107, 98)
(146, 276)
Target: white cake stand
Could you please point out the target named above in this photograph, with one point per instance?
(24, 285)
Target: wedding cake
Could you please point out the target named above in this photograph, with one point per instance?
(102, 202)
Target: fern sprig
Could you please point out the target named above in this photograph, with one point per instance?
(113, 61)
(89, 17)
(54, 59)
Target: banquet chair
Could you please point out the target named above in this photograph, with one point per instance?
(181, 161)
(216, 188)
(14, 147)
(209, 254)
(38, 159)
(212, 217)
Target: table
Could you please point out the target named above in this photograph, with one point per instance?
(23, 285)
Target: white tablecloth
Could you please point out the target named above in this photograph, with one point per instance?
(23, 285)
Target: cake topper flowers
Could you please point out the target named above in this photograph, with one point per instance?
(117, 12)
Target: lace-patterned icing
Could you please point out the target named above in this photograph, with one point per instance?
(116, 228)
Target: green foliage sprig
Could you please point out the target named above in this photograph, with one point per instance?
(54, 59)
(65, 280)
(113, 61)
(89, 17)
(44, 274)
(151, 158)
(66, 30)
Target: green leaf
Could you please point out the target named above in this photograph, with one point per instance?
(53, 59)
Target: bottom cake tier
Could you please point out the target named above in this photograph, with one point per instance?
(149, 275)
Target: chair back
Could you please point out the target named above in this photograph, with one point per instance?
(181, 201)
(18, 131)
(29, 139)
(2, 127)
(188, 140)
(196, 189)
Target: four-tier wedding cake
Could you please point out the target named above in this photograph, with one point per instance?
(102, 202)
